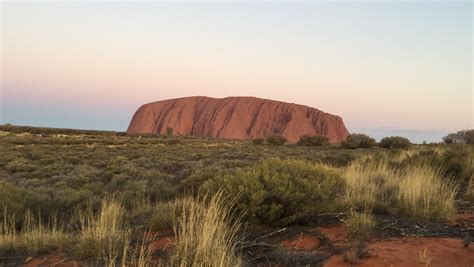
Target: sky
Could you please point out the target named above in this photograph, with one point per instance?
(386, 67)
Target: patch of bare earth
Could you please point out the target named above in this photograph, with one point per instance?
(51, 260)
(413, 251)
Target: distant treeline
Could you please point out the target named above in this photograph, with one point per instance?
(48, 130)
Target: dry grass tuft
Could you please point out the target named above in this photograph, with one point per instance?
(37, 237)
(205, 233)
(419, 191)
(423, 193)
(34, 237)
(104, 238)
(102, 235)
(359, 225)
(424, 257)
(8, 237)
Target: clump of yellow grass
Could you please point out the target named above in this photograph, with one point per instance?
(418, 191)
(206, 231)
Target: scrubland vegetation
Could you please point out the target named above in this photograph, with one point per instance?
(104, 197)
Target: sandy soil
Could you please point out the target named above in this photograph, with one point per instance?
(414, 252)
(51, 260)
(302, 242)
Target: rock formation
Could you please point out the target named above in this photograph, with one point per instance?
(236, 118)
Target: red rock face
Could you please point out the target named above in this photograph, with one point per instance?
(236, 118)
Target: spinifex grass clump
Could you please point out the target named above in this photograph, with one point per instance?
(424, 194)
(8, 235)
(205, 230)
(35, 235)
(38, 237)
(105, 239)
(418, 191)
(101, 234)
(369, 185)
(359, 224)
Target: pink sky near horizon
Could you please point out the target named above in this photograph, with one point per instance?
(388, 65)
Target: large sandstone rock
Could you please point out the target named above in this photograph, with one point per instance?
(236, 118)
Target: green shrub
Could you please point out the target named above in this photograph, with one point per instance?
(313, 140)
(258, 141)
(358, 141)
(395, 142)
(282, 191)
(464, 137)
(276, 140)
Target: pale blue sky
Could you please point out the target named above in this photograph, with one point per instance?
(387, 68)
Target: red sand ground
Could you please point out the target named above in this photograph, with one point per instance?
(164, 244)
(52, 260)
(403, 251)
(337, 233)
(440, 252)
(303, 242)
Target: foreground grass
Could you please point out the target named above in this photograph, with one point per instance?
(102, 238)
(418, 191)
(206, 232)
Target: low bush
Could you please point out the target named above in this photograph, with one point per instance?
(464, 137)
(358, 141)
(276, 140)
(258, 141)
(395, 142)
(282, 191)
(313, 140)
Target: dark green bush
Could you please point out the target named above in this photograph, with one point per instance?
(358, 141)
(313, 140)
(169, 132)
(258, 141)
(395, 142)
(282, 191)
(464, 137)
(276, 140)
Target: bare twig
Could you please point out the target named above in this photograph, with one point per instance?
(269, 234)
(255, 242)
(259, 244)
(59, 262)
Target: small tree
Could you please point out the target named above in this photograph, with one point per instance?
(276, 140)
(169, 132)
(258, 141)
(313, 140)
(395, 142)
(358, 141)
